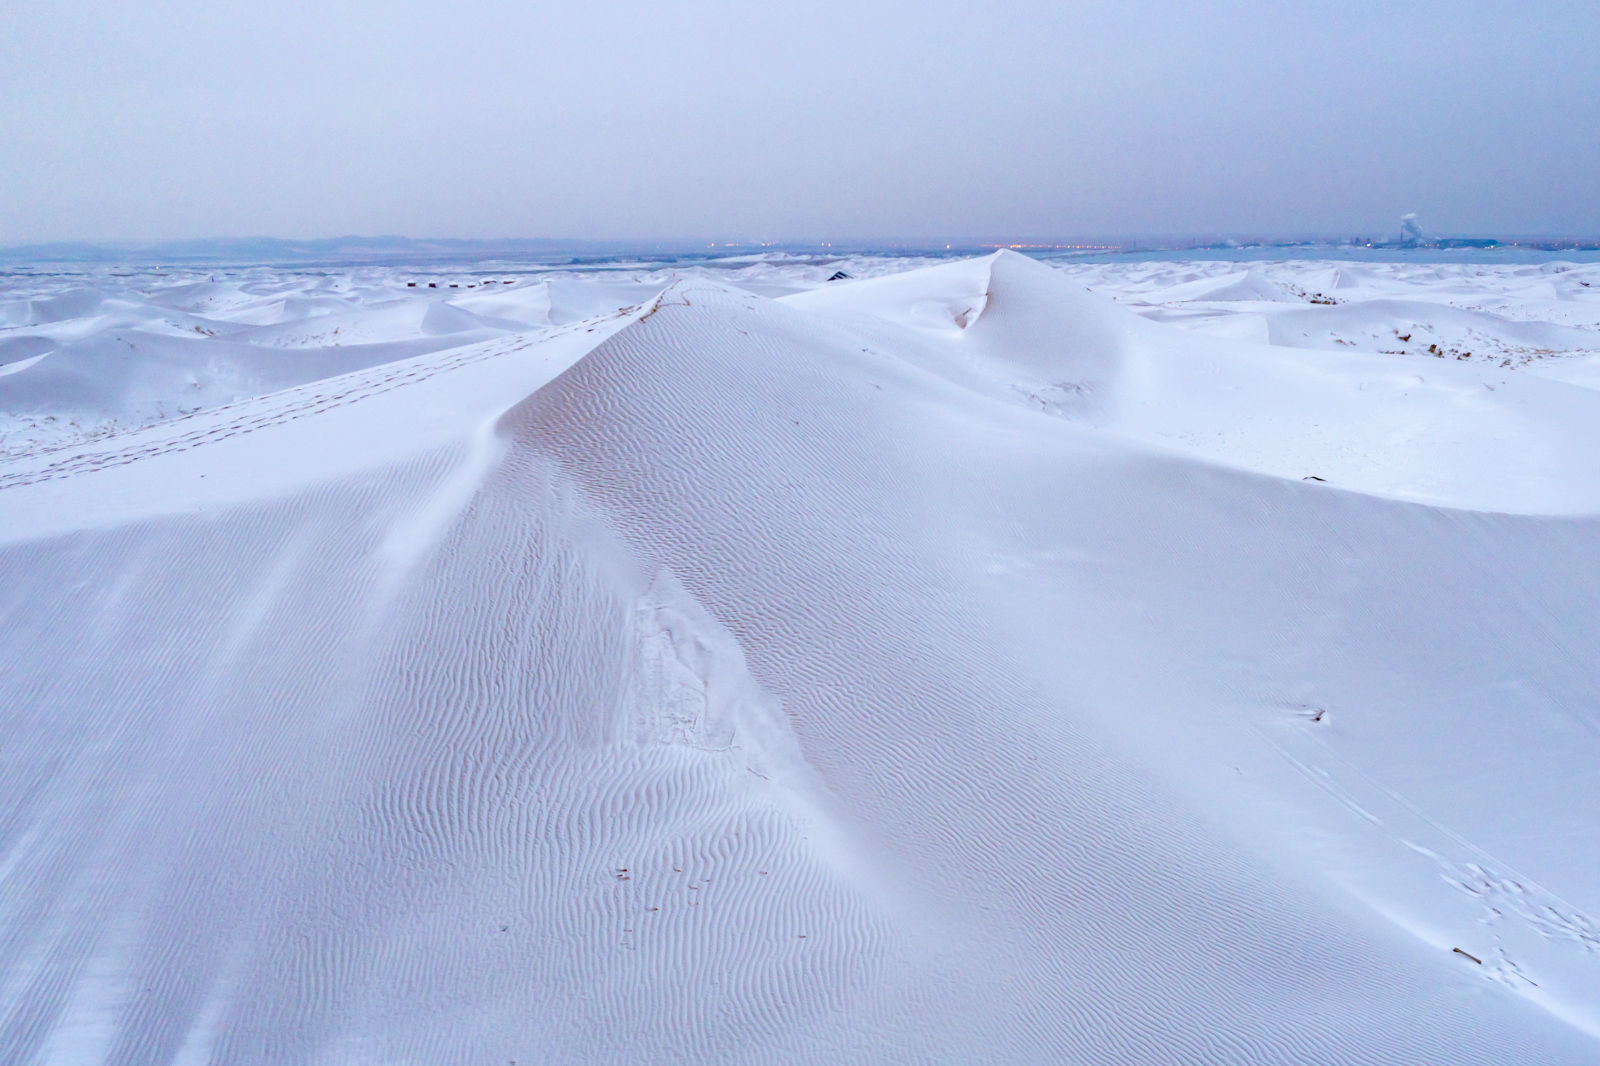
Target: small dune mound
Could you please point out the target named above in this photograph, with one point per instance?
(1247, 286)
(75, 303)
(14, 350)
(526, 305)
(396, 320)
(1006, 319)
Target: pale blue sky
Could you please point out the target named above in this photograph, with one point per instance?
(481, 118)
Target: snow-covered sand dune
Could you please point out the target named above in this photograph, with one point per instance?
(946, 667)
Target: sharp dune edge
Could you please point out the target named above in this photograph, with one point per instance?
(944, 667)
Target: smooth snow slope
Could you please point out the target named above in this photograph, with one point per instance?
(728, 680)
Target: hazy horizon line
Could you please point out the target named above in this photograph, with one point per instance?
(1026, 241)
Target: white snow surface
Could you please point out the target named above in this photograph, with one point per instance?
(974, 661)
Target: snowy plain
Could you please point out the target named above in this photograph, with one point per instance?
(977, 660)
